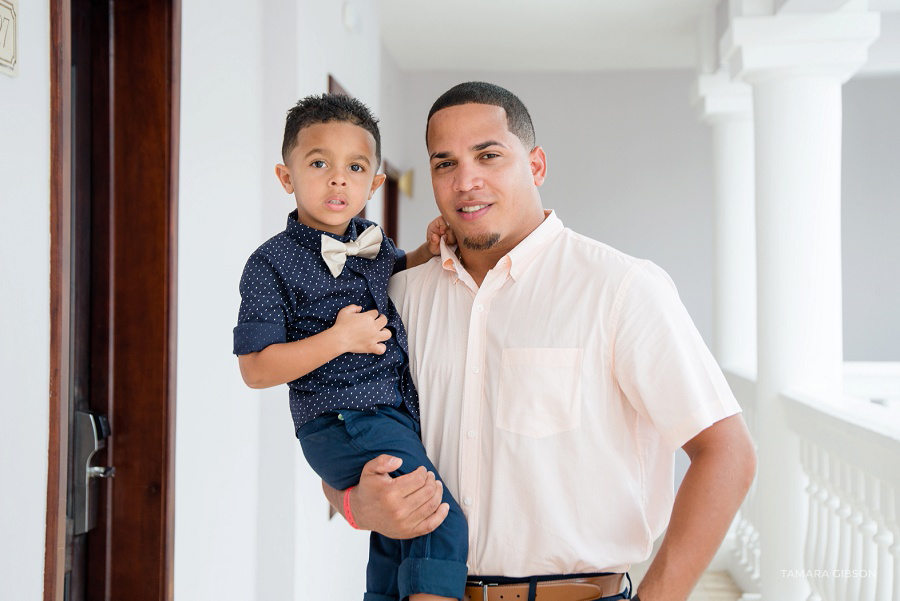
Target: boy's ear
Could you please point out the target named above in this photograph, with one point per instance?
(284, 178)
(376, 183)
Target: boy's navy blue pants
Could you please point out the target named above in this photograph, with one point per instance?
(337, 446)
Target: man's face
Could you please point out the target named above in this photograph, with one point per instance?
(485, 181)
(332, 173)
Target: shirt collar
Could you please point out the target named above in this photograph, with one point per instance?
(520, 257)
(534, 243)
(311, 238)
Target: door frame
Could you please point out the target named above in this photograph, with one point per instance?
(144, 115)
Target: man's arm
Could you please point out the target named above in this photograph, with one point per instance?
(723, 464)
(400, 508)
(352, 332)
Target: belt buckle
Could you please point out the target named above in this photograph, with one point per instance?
(484, 587)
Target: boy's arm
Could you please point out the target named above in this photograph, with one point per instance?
(352, 332)
(432, 245)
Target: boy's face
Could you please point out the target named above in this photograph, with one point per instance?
(331, 173)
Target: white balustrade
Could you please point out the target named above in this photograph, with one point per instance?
(850, 453)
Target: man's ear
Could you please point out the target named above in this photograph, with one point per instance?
(376, 183)
(284, 178)
(538, 163)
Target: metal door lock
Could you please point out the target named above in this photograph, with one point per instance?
(101, 472)
(91, 432)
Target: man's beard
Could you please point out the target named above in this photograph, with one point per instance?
(481, 241)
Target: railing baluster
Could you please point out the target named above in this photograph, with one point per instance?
(892, 513)
(869, 487)
(847, 534)
(808, 459)
(834, 527)
(853, 579)
(822, 499)
(882, 540)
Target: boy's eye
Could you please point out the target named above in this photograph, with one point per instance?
(356, 168)
(317, 164)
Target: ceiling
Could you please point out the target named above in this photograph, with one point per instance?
(547, 35)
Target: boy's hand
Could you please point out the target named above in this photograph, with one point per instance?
(361, 332)
(437, 229)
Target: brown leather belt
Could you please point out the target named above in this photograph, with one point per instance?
(569, 589)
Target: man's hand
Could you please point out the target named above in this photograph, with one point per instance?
(361, 332)
(436, 230)
(400, 508)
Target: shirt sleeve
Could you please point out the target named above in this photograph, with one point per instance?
(262, 319)
(660, 361)
(399, 256)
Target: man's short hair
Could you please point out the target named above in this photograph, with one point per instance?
(518, 121)
(325, 108)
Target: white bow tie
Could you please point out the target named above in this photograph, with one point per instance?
(335, 252)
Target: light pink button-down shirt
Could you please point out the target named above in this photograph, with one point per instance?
(553, 398)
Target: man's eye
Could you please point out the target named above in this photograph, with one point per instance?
(443, 165)
(489, 155)
(356, 168)
(317, 164)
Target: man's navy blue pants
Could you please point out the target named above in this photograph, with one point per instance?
(337, 446)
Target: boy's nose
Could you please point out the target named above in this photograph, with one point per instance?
(338, 179)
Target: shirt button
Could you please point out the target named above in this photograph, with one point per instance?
(475, 370)
(479, 308)
(471, 433)
(468, 501)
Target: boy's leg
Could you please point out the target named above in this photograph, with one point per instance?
(434, 563)
(382, 569)
(331, 452)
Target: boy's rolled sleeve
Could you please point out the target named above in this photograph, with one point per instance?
(264, 303)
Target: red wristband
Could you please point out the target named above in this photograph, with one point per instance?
(347, 513)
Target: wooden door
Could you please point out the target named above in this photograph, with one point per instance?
(114, 71)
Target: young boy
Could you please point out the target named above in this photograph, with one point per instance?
(315, 314)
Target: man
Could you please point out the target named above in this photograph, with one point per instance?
(557, 377)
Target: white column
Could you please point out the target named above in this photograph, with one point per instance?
(727, 106)
(796, 65)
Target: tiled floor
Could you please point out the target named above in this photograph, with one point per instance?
(716, 586)
(713, 586)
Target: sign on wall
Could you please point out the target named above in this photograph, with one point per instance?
(9, 37)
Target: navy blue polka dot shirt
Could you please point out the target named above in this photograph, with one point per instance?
(287, 294)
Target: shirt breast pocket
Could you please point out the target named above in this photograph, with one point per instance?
(540, 391)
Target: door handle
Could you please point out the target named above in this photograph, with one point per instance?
(91, 431)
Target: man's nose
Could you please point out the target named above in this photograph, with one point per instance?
(466, 178)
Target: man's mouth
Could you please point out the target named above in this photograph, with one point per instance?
(473, 208)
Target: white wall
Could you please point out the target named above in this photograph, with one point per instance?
(24, 306)
(217, 418)
(251, 520)
(871, 219)
(396, 120)
(628, 164)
